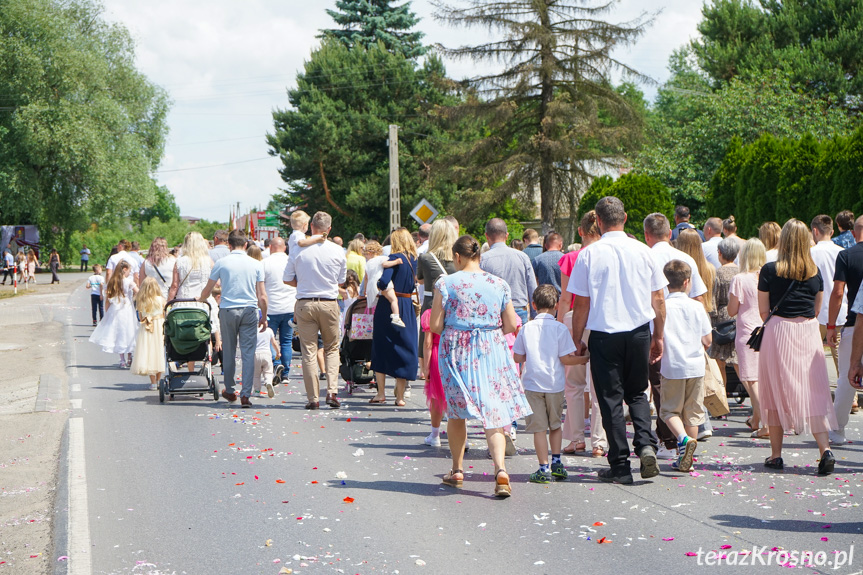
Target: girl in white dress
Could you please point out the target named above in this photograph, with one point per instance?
(116, 332)
(149, 346)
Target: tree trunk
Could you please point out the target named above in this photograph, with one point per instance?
(546, 162)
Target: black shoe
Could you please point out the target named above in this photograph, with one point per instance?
(649, 466)
(277, 373)
(777, 463)
(825, 466)
(322, 377)
(610, 476)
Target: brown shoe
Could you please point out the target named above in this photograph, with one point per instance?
(333, 401)
(313, 405)
(245, 402)
(229, 395)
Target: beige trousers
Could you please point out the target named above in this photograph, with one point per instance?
(313, 317)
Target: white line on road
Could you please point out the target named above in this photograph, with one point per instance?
(76, 387)
(79, 520)
(76, 403)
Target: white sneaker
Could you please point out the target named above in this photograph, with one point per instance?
(837, 438)
(702, 435)
(665, 453)
(513, 434)
(433, 440)
(396, 320)
(271, 393)
(153, 387)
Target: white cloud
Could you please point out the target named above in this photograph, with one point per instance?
(227, 65)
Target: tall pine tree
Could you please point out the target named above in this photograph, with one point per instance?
(553, 117)
(366, 22)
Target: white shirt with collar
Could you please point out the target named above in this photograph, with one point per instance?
(281, 297)
(123, 255)
(711, 251)
(424, 247)
(686, 323)
(619, 275)
(664, 252)
(318, 269)
(543, 341)
(824, 253)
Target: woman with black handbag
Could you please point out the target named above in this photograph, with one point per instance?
(795, 390)
(724, 326)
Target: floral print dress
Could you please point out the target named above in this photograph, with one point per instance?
(477, 371)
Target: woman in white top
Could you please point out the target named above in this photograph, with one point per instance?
(159, 265)
(768, 233)
(373, 253)
(191, 273)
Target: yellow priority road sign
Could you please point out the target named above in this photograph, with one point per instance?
(424, 212)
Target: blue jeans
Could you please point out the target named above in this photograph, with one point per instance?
(281, 327)
(523, 314)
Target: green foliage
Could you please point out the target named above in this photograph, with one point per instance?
(641, 196)
(165, 208)
(83, 129)
(367, 22)
(776, 179)
(551, 116)
(510, 211)
(816, 43)
(337, 128)
(692, 129)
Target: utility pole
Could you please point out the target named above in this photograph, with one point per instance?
(395, 200)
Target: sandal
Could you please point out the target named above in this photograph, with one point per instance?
(598, 452)
(502, 488)
(373, 400)
(576, 448)
(749, 424)
(451, 479)
(399, 402)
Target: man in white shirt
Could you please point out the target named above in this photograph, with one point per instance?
(618, 290)
(824, 253)
(316, 272)
(8, 266)
(281, 299)
(712, 237)
(220, 245)
(122, 255)
(657, 235)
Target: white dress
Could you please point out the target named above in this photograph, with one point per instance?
(116, 333)
(192, 283)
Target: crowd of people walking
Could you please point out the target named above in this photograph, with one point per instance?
(504, 335)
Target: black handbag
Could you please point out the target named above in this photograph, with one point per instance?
(754, 340)
(725, 332)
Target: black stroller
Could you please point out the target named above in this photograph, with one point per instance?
(355, 354)
(187, 338)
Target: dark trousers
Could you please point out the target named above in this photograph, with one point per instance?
(662, 432)
(10, 273)
(618, 364)
(84, 265)
(97, 304)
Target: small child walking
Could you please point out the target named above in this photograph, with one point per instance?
(681, 391)
(116, 332)
(545, 346)
(96, 284)
(150, 343)
(264, 361)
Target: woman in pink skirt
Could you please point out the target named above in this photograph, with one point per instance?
(743, 304)
(795, 391)
(435, 396)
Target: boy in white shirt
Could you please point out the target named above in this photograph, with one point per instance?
(298, 240)
(545, 346)
(96, 283)
(264, 361)
(687, 335)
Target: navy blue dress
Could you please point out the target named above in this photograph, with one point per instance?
(394, 349)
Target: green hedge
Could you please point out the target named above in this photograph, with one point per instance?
(641, 195)
(774, 179)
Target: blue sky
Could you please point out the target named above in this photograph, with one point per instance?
(227, 65)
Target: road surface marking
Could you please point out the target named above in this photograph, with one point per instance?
(76, 387)
(76, 403)
(79, 520)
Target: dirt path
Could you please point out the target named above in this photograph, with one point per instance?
(33, 415)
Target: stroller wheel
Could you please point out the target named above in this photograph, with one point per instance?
(162, 391)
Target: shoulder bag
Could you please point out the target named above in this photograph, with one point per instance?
(758, 333)
(724, 332)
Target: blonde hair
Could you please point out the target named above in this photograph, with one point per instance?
(402, 242)
(768, 233)
(254, 252)
(196, 248)
(794, 261)
(752, 256)
(689, 242)
(115, 282)
(441, 239)
(300, 220)
(356, 246)
(149, 300)
(374, 248)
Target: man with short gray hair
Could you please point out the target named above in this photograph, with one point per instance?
(220, 245)
(510, 265)
(712, 237)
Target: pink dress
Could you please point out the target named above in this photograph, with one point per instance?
(567, 264)
(745, 288)
(435, 396)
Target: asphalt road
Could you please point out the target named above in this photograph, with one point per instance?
(202, 487)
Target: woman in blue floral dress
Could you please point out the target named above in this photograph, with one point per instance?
(472, 310)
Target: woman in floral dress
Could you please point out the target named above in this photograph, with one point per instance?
(472, 310)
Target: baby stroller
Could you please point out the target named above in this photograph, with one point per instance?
(187, 338)
(355, 354)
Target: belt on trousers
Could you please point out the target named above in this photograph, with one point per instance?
(407, 295)
(523, 308)
(316, 299)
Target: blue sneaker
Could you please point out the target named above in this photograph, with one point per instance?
(540, 476)
(685, 453)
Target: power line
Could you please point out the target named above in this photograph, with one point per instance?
(213, 165)
(214, 141)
